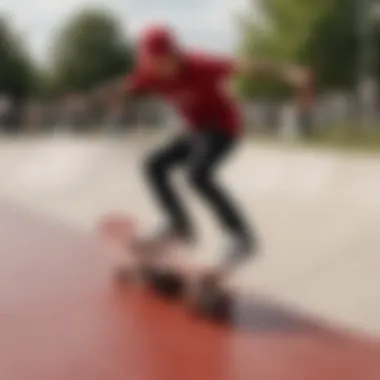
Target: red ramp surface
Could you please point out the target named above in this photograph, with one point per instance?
(62, 318)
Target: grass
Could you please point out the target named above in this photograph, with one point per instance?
(352, 138)
(347, 137)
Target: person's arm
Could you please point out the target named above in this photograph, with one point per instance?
(225, 67)
(114, 91)
(294, 75)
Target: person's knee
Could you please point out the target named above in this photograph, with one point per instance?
(154, 167)
(199, 178)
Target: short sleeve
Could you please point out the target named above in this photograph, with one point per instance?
(218, 67)
(138, 82)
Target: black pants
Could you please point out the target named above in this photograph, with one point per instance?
(200, 155)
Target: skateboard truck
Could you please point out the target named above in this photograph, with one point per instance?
(211, 300)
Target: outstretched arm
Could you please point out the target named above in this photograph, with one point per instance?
(223, 68)
(118, 90)
(294, 75)
(112, 92)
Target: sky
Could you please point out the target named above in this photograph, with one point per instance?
(207, 24)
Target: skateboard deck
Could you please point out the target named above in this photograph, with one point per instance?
(117, 233)
(173, 279)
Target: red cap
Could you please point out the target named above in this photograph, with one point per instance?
(158, 40)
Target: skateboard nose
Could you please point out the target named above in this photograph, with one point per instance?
(117, 227)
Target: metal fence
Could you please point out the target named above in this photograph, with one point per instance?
(265, 116)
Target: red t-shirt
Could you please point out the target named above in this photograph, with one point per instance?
(197, 93)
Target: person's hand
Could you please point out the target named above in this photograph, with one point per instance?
(298, 77)
(109, 92)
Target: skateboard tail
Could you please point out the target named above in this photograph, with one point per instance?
(117, 227)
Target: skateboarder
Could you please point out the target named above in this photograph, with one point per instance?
(193, 83)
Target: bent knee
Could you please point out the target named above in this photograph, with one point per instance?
(154, 166)
(199, 178)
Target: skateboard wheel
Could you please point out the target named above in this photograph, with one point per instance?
(166, 284)
(213, 302)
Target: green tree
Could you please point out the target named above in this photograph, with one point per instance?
(91, 48)
(17, 72)
(334, 47)
(282, 32)
(325, 35)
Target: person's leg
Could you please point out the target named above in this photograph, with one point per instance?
(158, 170)
(209, 150)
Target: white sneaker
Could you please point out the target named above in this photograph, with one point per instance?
(238, 251)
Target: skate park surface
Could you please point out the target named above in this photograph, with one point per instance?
(317, 214)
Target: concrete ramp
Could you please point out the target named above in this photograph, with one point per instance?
(61, 317)
(317, 212)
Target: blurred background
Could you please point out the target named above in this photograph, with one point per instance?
(318, 210)
(52, 53)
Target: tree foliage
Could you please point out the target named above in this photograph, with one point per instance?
(17, 72)
(322, 34)
(335, 47)
(90, 48)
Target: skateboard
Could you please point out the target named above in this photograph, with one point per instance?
(118, 234)
(197, 287)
